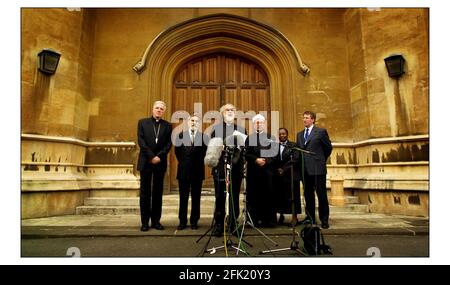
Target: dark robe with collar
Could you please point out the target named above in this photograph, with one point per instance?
(261, 203)
(152, 175)
(148, 147)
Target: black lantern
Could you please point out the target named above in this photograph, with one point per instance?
(395, 65)
(48, 61)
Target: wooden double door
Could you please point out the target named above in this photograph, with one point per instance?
(214, 80)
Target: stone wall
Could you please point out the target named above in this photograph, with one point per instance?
(391, 175)
(56, 176)
(119, 44)
(372, 36)
(58, 104)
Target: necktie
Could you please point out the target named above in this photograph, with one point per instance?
(192, 137)
(282, 147)
(306, 135)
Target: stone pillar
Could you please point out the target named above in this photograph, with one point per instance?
(337, 191)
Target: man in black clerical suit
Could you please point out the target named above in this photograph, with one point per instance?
(315, 140)
(261, 151)
(283, 180)
(190, 150)
(225, 129)
(154, 139)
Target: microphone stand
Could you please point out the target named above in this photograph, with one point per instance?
(213, 221)
(247, 219)
(228, 243)
(294, 244)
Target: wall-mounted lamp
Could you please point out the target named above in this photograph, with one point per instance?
(48, 61)
(395, 65)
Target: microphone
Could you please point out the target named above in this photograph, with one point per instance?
(234, 141)
(213, 152)
(233, 144)
(292, 148)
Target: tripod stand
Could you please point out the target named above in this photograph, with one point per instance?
(294, 244)
(246, 217)
(229, 213)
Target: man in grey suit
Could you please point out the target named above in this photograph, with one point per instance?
(315, 140)
(154, 139)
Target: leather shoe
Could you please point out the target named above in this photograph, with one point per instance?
(158, 226)
(325, 225)
(194, 226)
(181, 227)
(145, 228)
(217, 231)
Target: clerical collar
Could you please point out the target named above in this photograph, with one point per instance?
(156, 120)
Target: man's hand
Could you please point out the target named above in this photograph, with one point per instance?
(261, 161)
(155, 160)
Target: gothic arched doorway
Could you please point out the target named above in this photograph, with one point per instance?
(214, 80)
(256, 42)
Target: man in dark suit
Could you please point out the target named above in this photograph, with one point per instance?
(190, 150)
(315, 140)
(154, 139)
(225, 129)
(285, 196)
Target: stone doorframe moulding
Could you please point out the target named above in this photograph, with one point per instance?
(230, 34)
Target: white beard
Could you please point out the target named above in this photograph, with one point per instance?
(229, 119)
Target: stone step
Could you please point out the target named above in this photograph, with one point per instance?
(352, 200)
(107, 210)
(350, 209)
(168, 200)
(134, 210)
(130, 206)
(205, 210)
(111, 201)
(171, 199)
(349, 200)
(205, 191)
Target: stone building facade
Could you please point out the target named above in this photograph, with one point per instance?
(79, 125)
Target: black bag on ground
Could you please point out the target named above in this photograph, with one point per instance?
(313, 241)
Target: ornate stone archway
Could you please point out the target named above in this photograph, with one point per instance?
(225, 33)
